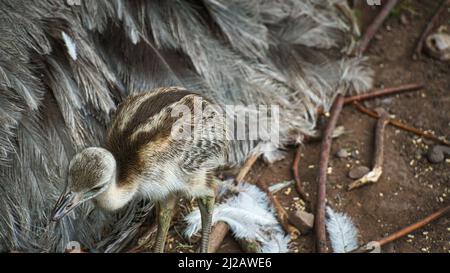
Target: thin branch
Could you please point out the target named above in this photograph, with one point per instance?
(220, 229)
(246, 168)
(295, 169)
(218, 233)
(281, 213)
(401, 125)
(375, 25)
(377, 170)
(430, 26)
(319, 221)
(383, 92)
(379, 93)
(405, 231)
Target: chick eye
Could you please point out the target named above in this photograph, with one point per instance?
(96, 189)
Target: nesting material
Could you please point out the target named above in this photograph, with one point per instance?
(250, 217)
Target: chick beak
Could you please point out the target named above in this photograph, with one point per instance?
(65, 204)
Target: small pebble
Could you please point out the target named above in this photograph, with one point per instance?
(329, 170)
(358, 172)
(355, 154)
(437, 153)
(342, 153)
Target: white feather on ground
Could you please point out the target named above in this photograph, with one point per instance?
(249, 215)
(342, 231)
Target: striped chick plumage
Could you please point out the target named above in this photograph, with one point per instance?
(160, 144)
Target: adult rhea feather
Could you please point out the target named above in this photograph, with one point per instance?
(65, 66)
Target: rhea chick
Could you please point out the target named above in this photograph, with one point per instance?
(160, 144)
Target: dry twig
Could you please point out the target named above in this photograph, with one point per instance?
(246, 168)
(375, 25)
(377, 170)
(281, 213)
(383, 92)
(295, 169)
(379, 93)
(218, 233)
(430, 26)
(401, 125)
(405, 231)
(220, 229)
(319, 220)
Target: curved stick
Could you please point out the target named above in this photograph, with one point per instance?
(319, 220)
(401, 125)
(298, 182)
(430, 26)
(375, 25)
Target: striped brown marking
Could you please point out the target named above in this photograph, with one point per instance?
(154, 104)
(127, 150)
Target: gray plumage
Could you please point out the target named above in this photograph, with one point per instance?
(64, 68)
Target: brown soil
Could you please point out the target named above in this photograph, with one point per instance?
(410, 187)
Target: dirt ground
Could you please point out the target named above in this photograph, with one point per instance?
(410, 187)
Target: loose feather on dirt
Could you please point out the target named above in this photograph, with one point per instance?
(343, 233)
(249, 215)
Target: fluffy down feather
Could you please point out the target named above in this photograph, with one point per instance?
(249, 215)
(342, 231)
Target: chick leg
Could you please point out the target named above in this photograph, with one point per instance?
(206, 206)
(165, 210)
